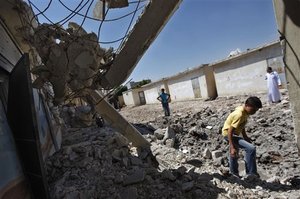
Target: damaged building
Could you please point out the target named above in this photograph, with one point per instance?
(45, 67)
(220, 78)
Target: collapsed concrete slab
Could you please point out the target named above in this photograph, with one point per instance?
(116, 120)
(151, 22)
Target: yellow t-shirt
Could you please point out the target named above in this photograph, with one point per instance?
(237, 119)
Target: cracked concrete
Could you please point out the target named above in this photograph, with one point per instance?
(72, 59)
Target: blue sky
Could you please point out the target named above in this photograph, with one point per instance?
(203, 31)
(199, 32)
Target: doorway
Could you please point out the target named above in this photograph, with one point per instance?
(196, 87)
(142, 97)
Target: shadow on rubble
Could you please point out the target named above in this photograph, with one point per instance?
(144, 129)
(199, 186)
(255, 183)
(203, 184)
(95, 163)
(180, 182)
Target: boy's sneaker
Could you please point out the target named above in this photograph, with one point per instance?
(251, 177)
(236, 175)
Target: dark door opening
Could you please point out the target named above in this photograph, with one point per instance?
(23, 122)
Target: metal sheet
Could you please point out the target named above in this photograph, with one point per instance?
(22, 118)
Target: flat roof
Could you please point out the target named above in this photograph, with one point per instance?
(213, 63)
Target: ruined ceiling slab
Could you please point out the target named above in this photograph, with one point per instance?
(151, 22)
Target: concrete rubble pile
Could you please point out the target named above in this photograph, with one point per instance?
(197, 143)
(77, 116)
(71, 59)
(100, 163)
(199, 134)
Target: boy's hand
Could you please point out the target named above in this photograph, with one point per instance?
(233, 152)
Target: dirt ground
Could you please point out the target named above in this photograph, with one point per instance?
(148, 112)
(192, 155)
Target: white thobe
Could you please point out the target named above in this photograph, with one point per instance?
(273, 82)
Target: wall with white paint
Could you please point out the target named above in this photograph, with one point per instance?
(181, 88)
(128, 98)
(131, 97)
(152, 92)
(246, 73)
(241, 74)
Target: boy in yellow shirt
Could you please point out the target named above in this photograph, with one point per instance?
(234, 126)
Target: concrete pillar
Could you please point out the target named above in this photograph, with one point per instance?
(288, 20)
(115, 119)
(210, 82)
(166, 86)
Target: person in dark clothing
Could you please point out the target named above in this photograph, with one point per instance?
(99, 120)
(165, 98)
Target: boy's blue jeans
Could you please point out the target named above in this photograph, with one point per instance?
(166, 108)
(250, 156)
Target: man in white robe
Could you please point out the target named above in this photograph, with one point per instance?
(274, 83)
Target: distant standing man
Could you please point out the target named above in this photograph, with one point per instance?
(164, 98)
(274, 84)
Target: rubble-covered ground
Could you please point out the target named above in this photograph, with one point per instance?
(100, 163)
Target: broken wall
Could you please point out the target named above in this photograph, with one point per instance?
(14, 184)
(288, 21)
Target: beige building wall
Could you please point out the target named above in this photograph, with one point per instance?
(245, 73)
(152, 91)
(181, 87)
(131, 97)
(128, 98)
(194, 83)
(232, 79)
(151, 94)
(241, 74)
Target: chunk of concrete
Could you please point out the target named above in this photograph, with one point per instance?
(216, 154)
(137, 177)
